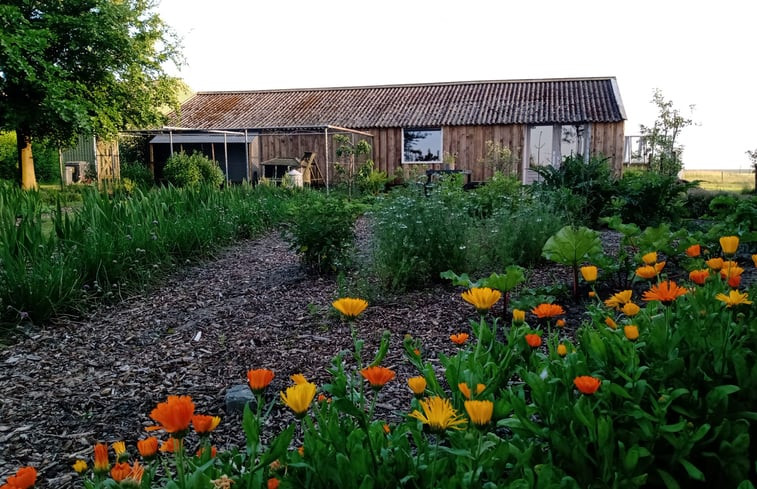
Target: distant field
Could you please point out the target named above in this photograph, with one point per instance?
(731, 180)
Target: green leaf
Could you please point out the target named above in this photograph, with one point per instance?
(512, 277)
(572, 245)
(693, 472)
(668, 479)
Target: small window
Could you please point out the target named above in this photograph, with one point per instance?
(422, 145)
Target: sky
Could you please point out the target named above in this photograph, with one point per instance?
(698, 53)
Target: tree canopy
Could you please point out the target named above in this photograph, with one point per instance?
(70, 67)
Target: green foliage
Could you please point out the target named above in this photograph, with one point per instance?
(735, 213)
(500, 159)
(137, 173)
(46, 160)
(183, 170)
(370, 180)
(648, 198)
(662, 150)
(572, 246)
(501, 191)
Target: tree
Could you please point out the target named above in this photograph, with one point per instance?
(663, 152)
(753, 159)
(70, 67)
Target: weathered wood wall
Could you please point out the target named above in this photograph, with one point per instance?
(607, 139)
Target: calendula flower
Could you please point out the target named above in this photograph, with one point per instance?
(714, 263)
(323, 398)
(465, 390)
(611, 322)
(387, 428)
(617, 300)
(377, 376)
(533, 340)
(586, 384)
(438, 414)
(731, 271)
(630, 309)
(665, 292)
(562, 350)
(120, 471)
(134, 479)
(350, 307)
(301, 451)
(560, 323)
(631, 331)
(754, 259)
(169, 446)
(650, 258)
(259, 379)
(24, 478)
(417, 385)
(298, 398)
(459, 338)
(545, 310)
(101, 459)
(479, 412)
(223, 482)
(201, 450)
(148, 447)
(80, 466)
(298, 379)
(699, 277)
(174, 415)
(204, 424)
(734, 281)
(592, 294)
(693, 251)
(589, 273)
(734, 298)
(519, 316)
(646, 272)
(729, 244)
(482, 298)
(273, 483)
(119, 448)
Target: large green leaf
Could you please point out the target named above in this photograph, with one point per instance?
(572, 245)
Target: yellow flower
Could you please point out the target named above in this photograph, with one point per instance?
(298, 398)
(589, 273)
(350, 307)
(631, 331)
(562, 350)
(479, 412)
(647, 272)
(754, 259)
(417, 385)
(630, 309)
(298, 379)
(729, 244)
(482, 298)
(734, 298)
(519, 315)
(466, 390)
(650, 258)
(119, 448)
(438, 414)
(80, 466)
(714, 263)
(617, 300)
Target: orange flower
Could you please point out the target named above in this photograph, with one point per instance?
(213, 452)
(350, 307)
(259, 379)
(589, 273)
(560, 323)
(730, 271)
(24, 479)
(322, 398)
(631, 309)
(610, 322)
(665, 292)
(650, 258)
(586, 384)
(754, 259)
(204, 424)
(631, 331)
(148, 447)
(734, 282)
(417, 385)
(168, 446)
(646, 272)
(715, 263)
(101, 458)
(729, 244)
(273, 483)
(137, 471)
(618, 299)
(465, 390)
(562, 350)
(694, 251)
(387, 428)
(547, 310)
(699, 276)
(459, 338)
(377, 376)
(174, 415)
(533, 340)
(592, 294)
(120, 471)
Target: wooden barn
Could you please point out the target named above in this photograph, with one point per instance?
(410, 127)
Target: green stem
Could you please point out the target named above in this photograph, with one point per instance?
(179, 458)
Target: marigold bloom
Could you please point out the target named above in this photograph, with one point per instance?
(646, 272)
(119, 448)
(754, 259)
(650, 258)
(618, 299)
(665, 292)
(438, 414)
(137, 471)
(589, 273)
(174, 415)
(273, 483)
(465, 390)
(459, 338)
(417, 385)
(24, 478)
(148, 447)
(631, 331)
(586, 384)
(693, 251)
(519, 316)
(387, 428)
(350, 307)
(734, 298)
(120, 471)
(714, 263)
(734, 281)
(560, 323)
(322, 398)
(169, 445)
(562, 350)
(479, 412)
(547, 310)
(201, 450)
(259, 379)
(592, 294)
(204, 424)
(699, 277)
(80, 466)
(298, 398)
(377, 376)
(729, 244)
(298, 379)
(533, 340)
(482, 298)
(611, 322)
(731, 271)
(101, 458)
(630, 309)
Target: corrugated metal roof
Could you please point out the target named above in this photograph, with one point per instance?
(545, 101)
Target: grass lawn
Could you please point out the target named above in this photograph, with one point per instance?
(730, 180)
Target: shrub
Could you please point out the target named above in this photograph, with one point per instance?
(184, 170)
(138, 173)
(502, 191)
(648, 198)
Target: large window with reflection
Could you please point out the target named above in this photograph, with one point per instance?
(422, 145)
(550, 144)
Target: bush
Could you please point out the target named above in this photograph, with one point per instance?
(137, 173)
(184, 170)
(648, 198)
(502, 191)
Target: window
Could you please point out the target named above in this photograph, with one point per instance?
(549, 144)
(422, 145)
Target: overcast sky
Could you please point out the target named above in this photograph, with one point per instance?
(698, 53)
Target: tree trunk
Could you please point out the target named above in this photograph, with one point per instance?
(27, 177)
